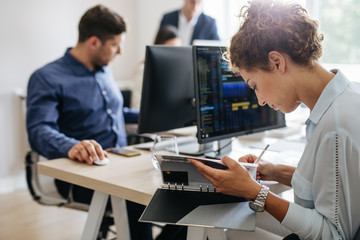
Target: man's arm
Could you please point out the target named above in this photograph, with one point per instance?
(43, 104)
(41, 120)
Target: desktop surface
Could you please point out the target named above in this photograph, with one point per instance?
(135, 178)
(131, 178)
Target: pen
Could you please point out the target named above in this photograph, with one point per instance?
(262, 153)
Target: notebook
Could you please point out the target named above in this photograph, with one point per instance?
(187, 198)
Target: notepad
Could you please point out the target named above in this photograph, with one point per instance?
(187, 198)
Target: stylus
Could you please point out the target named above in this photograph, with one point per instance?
(261, 154)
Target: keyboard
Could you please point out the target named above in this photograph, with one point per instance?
(180, 141)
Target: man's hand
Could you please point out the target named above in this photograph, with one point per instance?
(87, 151)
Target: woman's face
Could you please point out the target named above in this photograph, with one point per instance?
(272, 89)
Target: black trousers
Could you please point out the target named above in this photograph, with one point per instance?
(138, 230)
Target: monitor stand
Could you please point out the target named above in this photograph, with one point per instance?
(215, 150)
(195, 149)
(221, 149)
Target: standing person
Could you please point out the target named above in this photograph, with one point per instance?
(191, 22)
(276, 51)
(75, 109)
(168, 36)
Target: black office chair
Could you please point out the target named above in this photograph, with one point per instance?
(42, 188)
(127, 97)
(43, 191)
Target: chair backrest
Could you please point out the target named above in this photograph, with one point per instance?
(127, 97)
(42, 188)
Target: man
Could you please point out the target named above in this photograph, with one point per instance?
(75, 109)
(191, 22)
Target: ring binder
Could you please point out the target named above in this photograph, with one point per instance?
(196, 202)
(177, 170)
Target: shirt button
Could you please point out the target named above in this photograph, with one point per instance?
(114, 128)
(104, 92)
(109, 111)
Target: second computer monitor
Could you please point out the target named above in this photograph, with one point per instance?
(167, 100)
(225, 106)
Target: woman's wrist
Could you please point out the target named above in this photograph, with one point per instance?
(283, 174)
(254, 191)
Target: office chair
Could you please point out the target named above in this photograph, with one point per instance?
(42, 188)
(127, 97)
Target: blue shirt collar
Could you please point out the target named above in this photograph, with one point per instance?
(77, 67)
(333, 89)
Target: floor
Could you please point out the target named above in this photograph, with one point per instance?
(23, 218)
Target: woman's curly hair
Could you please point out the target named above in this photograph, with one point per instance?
(273, 25)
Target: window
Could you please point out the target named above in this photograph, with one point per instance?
(338, 22)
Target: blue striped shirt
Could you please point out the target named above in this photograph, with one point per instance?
(67, 103)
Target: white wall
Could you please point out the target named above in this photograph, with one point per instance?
(38, 31)
(148, 21)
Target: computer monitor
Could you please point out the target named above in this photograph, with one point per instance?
(167, 100)
(225, 106)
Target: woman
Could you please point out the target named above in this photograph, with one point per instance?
(168, 35)
(276, 51)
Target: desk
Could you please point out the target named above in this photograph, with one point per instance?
(133, 179)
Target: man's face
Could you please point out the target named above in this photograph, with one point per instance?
(108, 50)
(193, 5)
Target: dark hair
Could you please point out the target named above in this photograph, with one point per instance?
(166, 33)
(273, 25)
(101, 22)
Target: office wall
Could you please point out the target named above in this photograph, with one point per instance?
(38, 31)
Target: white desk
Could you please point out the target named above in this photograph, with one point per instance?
(133, 179)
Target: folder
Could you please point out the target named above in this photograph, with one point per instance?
(186, 198)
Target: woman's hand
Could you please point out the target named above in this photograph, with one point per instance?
(265, 170)
(234, 181)
(250, 158)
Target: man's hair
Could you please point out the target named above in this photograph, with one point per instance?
(101, 22)
(274, 26)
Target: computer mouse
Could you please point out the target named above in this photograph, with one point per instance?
(99, 162)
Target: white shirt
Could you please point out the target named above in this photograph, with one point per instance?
(326, 181)
(186, 29)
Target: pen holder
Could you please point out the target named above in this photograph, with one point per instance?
(251, 168)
